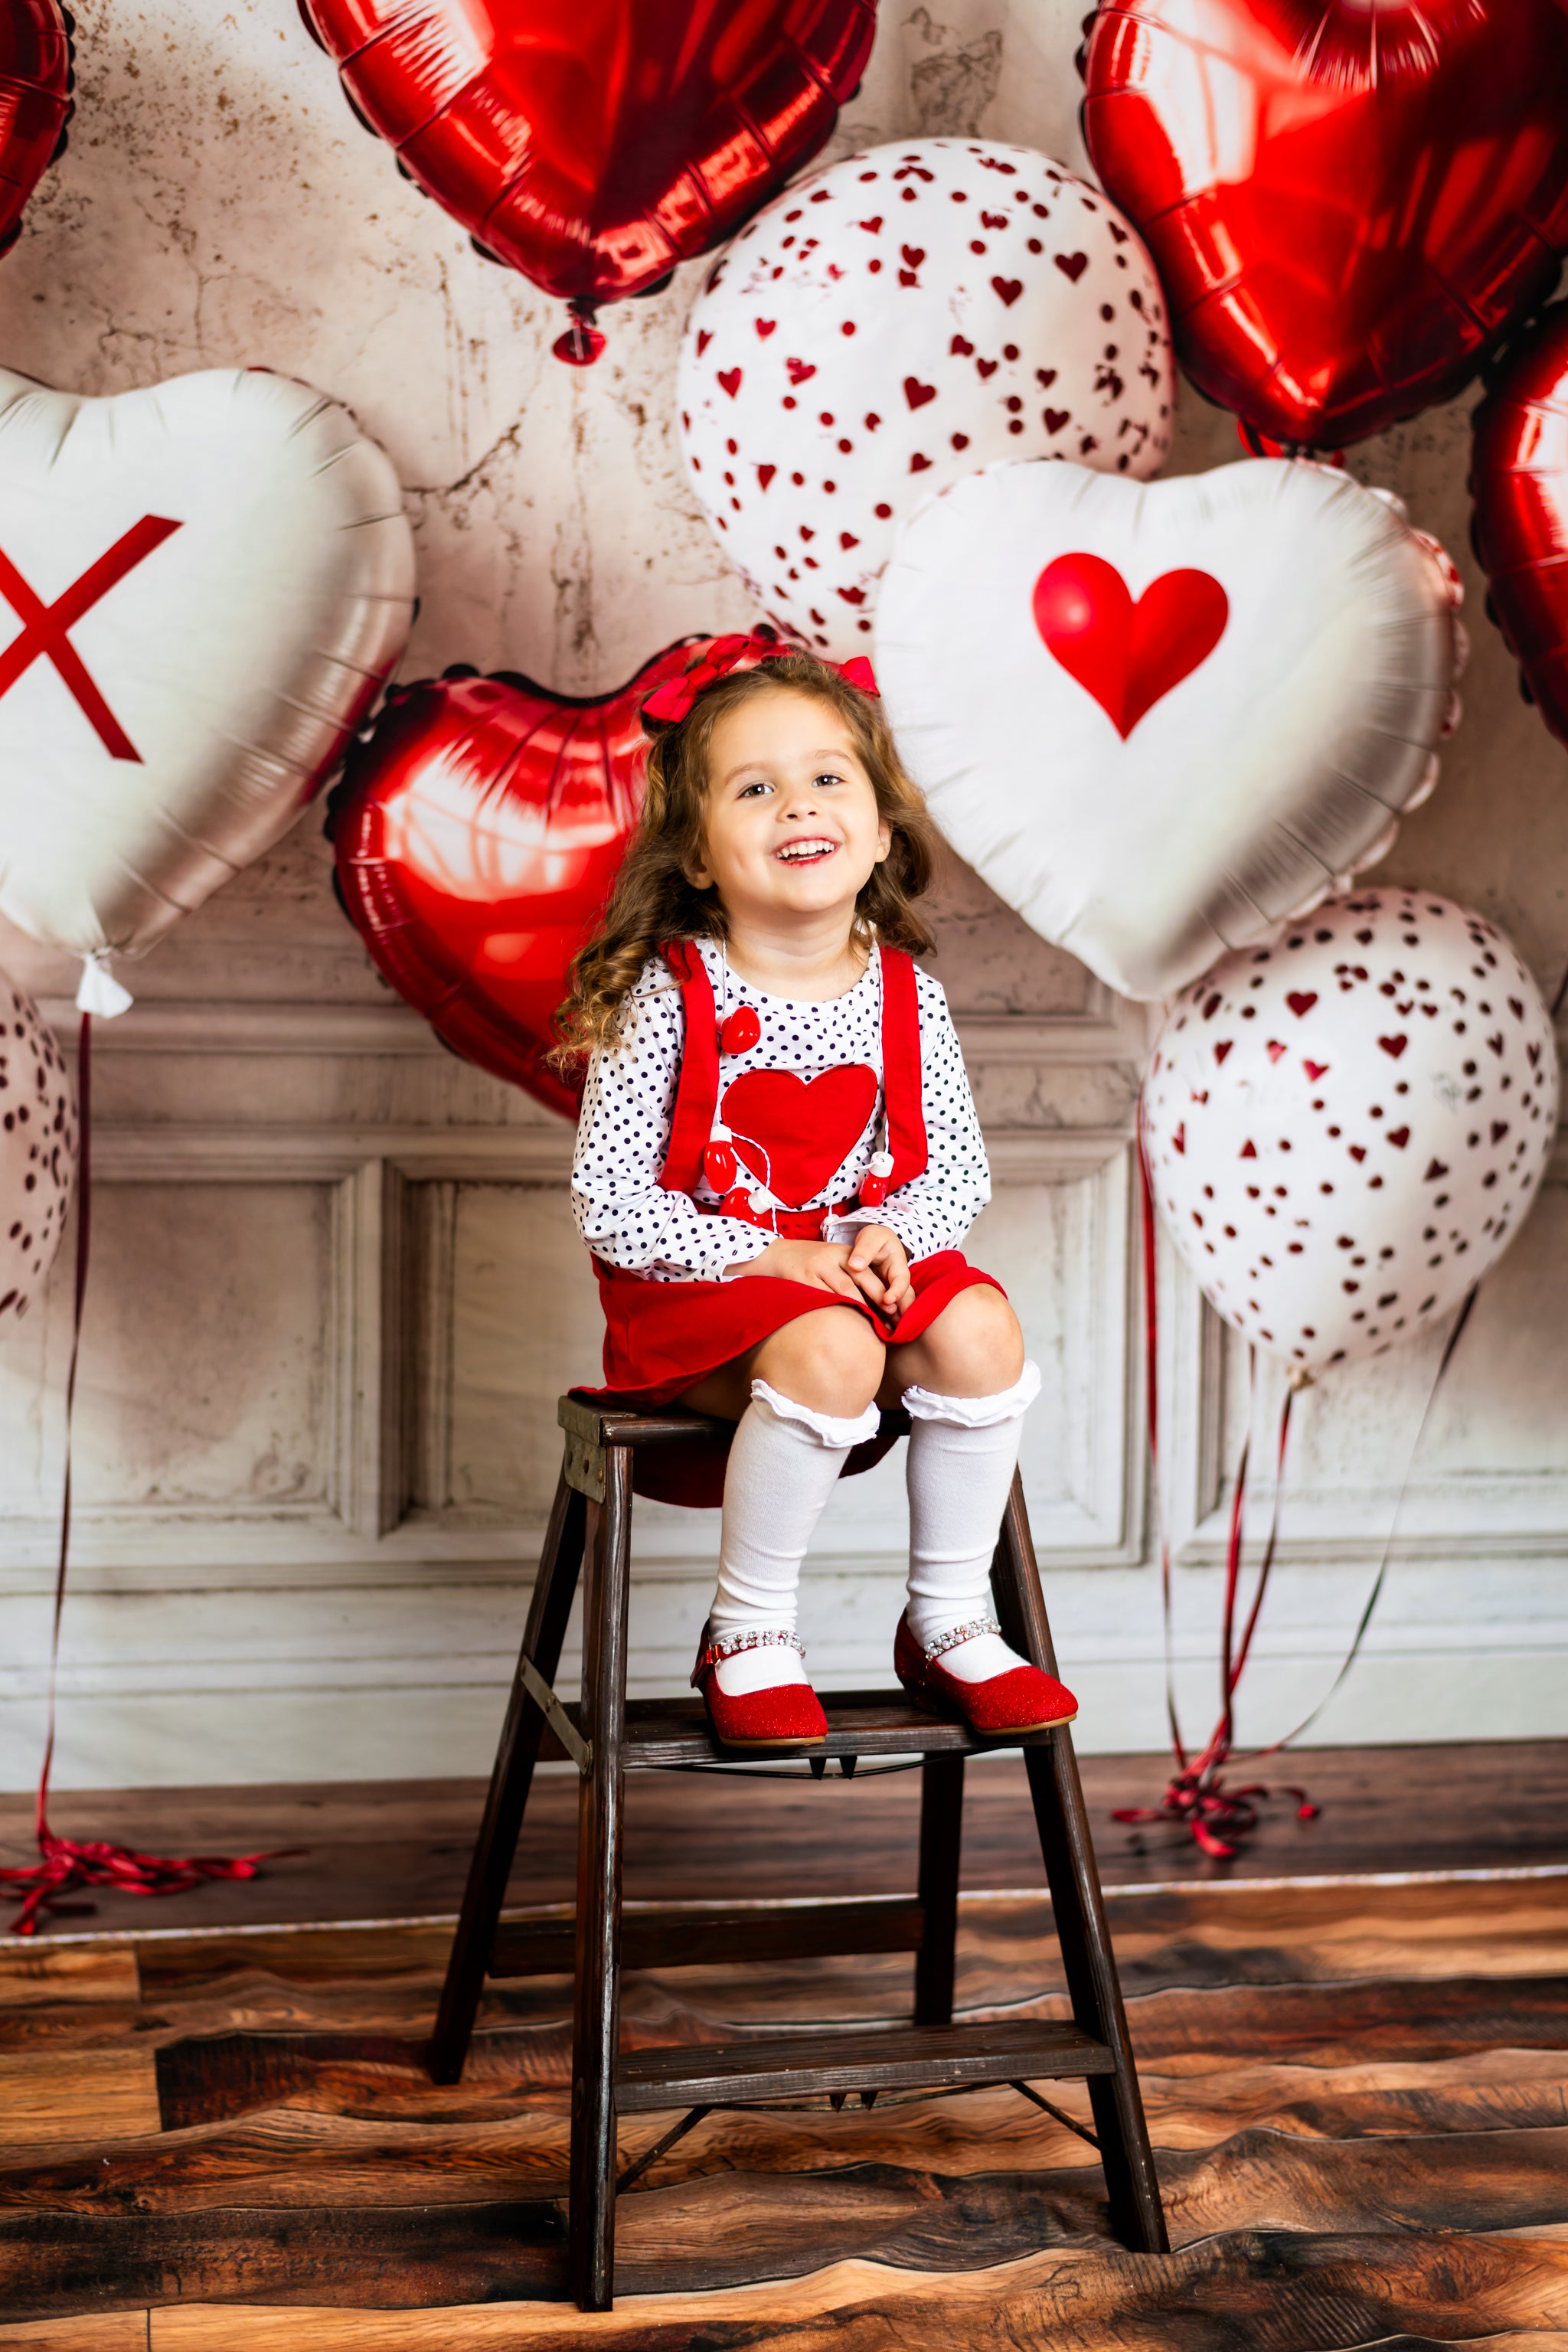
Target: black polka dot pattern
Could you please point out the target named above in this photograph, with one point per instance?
(1345, 1128)
(37, 1149)
(624, 1131)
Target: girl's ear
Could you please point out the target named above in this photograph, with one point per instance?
(884, 840)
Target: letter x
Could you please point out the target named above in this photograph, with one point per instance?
(46, 628)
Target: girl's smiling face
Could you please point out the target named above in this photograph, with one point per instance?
(793, 824)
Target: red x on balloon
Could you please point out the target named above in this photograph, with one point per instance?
(46, 628)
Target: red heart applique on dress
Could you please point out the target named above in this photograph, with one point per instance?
(794, 1132)
(1127, 655)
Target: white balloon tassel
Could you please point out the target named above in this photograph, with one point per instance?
(888, 324)
(1344, 1130)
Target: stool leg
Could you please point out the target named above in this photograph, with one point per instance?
(1132, 2184)
(941, 1831)
(595, 2029)
(510, 1783)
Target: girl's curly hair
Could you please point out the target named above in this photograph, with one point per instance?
(654, 901)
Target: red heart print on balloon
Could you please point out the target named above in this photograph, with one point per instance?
(1128, 655)
(478, 831)
(794, 1132)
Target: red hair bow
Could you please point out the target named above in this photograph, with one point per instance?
(672, 701)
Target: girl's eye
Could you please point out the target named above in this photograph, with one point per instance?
(828, 777)
(760, 786)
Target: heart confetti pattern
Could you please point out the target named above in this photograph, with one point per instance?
(1344, 1194)
(37, 1149)
(949, 301)
(1162, 719)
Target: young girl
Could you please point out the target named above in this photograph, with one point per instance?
(777, 1158)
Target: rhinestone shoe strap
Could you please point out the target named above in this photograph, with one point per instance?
(713, 1652)
(967, 1632)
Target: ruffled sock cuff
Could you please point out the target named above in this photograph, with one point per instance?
(829, 1429)
(975, 1413)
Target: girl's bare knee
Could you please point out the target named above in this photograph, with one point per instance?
(975, 1347)
(831, 1361)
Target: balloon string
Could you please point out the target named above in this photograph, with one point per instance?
(65, 1864)
(1195, 1796)
(1152, 1390)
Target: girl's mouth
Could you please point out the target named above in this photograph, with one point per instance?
(809, 852)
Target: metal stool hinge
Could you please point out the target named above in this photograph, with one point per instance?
(580, 1750)
(583, 1467)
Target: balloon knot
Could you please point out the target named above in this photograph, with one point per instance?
(582, 343)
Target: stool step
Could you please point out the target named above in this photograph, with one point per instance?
(714, 1934)
(897, 2058)
(663, 1731)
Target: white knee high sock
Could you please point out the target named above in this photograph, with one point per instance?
(784, 1461)
(963, 1454)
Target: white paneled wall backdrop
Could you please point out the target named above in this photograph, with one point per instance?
(335, 1288)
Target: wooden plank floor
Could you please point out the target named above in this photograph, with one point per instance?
(1358, 2092)
(399, 1849)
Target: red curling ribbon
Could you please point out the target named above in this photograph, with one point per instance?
(65, 1864)
(1195, 1797)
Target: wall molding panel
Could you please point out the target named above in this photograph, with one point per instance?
(378, 1624)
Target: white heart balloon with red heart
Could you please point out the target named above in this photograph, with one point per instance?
(888, 324)
(209, 580)
(1160, 718)
(1343, 1130)
(37, 1149)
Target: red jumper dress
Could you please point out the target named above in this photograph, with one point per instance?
(662, 1338)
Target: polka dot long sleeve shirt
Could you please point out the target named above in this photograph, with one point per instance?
(628, 1219)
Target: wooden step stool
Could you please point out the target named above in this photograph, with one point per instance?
(607, 1738)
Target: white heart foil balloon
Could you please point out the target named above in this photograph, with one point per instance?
(1161, 719)
(890, 324)
(37, 1149)
(1344, 1130)
(208, 581)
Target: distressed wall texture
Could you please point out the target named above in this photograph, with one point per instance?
(335, 1289)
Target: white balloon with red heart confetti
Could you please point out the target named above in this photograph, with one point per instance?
(1344, 1130)
(37, 1149)
(888, 324)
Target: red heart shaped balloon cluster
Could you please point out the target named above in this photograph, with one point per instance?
(1348, 203)
(594, 147)
(1519, 480)
(36, 82)
(476, 830)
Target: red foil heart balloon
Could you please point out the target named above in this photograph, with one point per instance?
(1128, 656)
(1348, 203)
(477, 830)
(1519, 479)
(593, 147)
(36, 80)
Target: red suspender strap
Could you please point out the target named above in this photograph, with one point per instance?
(697, 1092)
(901, 1077)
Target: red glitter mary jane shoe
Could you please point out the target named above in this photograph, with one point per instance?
(783, 1715)
(1022, 1699)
